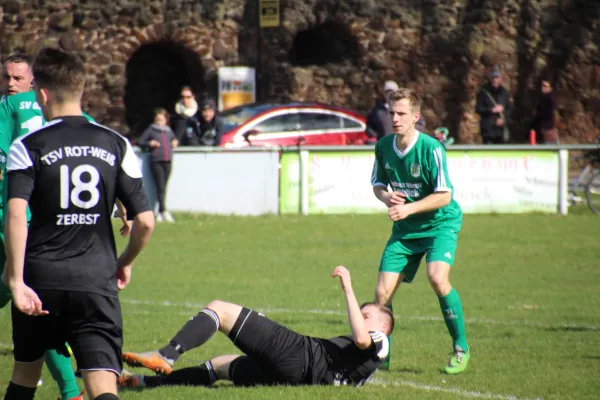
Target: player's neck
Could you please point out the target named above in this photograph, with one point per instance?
(403, 141)
(63, 110)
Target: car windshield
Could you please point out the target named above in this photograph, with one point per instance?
(237, 116)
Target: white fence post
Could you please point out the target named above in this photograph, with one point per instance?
(304, 176)
(563, 181)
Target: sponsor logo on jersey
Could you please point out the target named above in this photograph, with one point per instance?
(415, 170)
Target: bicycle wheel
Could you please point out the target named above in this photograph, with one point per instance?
(592, 192)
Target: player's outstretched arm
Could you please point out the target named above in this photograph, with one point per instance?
(360, 334)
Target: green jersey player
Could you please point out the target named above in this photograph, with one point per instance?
(426, 217)
(20, 113)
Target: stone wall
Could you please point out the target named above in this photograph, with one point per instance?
(327, 50)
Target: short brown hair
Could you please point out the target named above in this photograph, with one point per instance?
(18, 58)
(386, 311)
(161, 111)
(404, 93)
(60, 72)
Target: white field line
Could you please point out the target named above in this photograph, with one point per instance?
(275, 310)
(460, 392)
(419, 386)
(405, 383)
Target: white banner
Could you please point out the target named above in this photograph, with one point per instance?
(484, 182)
(238, 183)
(505, 181)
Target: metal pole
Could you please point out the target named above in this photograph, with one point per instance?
(304, 176)
(563, 181)
(258, 52)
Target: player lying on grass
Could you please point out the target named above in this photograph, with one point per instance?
(274, 354)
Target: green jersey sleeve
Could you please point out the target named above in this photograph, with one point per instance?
(438, 170)
(7, 125)
(379, 177)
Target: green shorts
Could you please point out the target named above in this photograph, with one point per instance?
(403, 256)
(5, 295)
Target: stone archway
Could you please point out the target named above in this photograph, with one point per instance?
(329, 42)
(155, 73)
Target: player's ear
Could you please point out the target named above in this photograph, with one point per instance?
(42, 96)
(416, 116)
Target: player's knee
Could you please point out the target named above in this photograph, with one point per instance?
(217, 306)
(221, 308)
(439, 282)
(383, 295)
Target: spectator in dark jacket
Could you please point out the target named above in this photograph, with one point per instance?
(544, 119)
(205, 128)
(379, 123)
(420, 125)
(159, 140)
(185, 108)
(494, 107)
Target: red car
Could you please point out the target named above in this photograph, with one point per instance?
(291, 124)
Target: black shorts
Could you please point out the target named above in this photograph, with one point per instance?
(90, 323)
(274, 354)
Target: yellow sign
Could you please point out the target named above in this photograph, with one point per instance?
(237, 86)
(269, 13)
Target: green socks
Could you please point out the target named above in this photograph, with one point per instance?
(455, 322)
(386, 362)
(62, 371)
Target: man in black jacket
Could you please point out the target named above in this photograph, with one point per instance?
(494, 107)
(379, 123)
(205, 128)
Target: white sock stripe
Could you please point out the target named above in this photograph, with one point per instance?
(242, 326)
(213, 315)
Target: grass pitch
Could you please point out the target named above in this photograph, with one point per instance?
(529, 286)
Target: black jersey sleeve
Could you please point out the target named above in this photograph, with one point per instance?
(381, 345)
(130, 187)
(20, 172)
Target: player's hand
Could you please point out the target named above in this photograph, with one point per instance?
(126, 228)
(344, 275)
(154, 144)
(397, 198)
(26, 300)
(123, 276)
(499, 122)
(396, 213)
